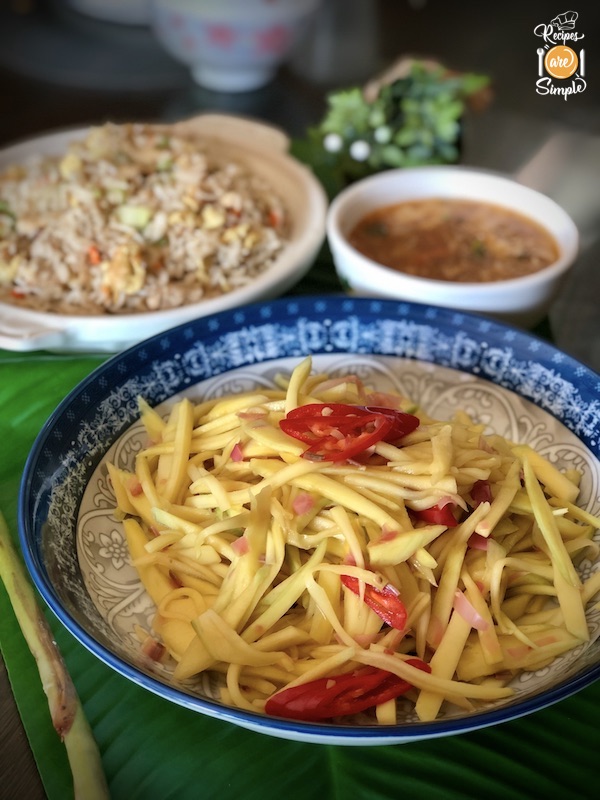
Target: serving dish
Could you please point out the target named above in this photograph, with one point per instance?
(263, 149)
(235, 46)
(524, 388)
(522, 301)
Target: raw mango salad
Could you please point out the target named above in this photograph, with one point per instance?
(323, 550)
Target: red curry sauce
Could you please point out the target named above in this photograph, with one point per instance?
(454, 240)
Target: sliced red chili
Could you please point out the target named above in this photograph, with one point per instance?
(438, 515)
(385, 602)
(340, 695)
(313, 422)
(338, 431)
(403, 423)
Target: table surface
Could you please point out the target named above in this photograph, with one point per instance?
(60, 69)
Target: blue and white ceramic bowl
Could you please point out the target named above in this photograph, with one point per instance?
(521, 386)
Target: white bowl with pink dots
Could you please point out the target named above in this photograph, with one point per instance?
(232, 45)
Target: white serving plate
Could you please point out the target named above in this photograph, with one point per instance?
(264, 149)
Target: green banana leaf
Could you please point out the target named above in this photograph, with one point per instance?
(154, 750)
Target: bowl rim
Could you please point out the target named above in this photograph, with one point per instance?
(365, 187)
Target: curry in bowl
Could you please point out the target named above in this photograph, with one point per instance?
(453, 236)
(452, 239)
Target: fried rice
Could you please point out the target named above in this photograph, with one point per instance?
(130, 219)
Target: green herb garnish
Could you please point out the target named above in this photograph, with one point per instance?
(413, 121)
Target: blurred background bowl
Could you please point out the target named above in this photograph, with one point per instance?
(522, 301)
(232, 45)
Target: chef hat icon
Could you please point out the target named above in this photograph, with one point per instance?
(565, 21)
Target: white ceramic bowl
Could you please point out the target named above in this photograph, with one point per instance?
(520, 301)
(263, 149)
(231, 45)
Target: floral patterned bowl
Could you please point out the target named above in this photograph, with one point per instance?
(523, 388)
(231, 46)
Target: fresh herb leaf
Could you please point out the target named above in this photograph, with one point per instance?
(414, 120)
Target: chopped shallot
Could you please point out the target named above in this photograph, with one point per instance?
(153, 649)
(135, 487)
(519, 652)
(252, 413)
(236, 453)
(446, 501)
(384, 399)
(387, 534)
(546, 641)
(478, 542)
(481, 492)
(240, 546)
(303, 502)
(467, 611)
